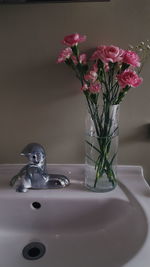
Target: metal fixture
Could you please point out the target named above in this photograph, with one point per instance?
(34, 251)
(34, 175)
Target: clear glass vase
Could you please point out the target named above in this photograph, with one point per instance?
(101, 147)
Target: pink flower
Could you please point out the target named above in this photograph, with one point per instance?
(95, 87)
(74, 39)
(82, 59)
(131, 58)
(84, 87)
(95, 55)
(91, 76)
(110, 53)
(74, 60)
(66, 53)
(129, 77)
(106, 67)
(94, 68)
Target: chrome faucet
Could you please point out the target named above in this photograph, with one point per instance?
(34, 175)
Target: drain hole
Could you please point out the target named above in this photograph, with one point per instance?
(36, 205)
(34, 251)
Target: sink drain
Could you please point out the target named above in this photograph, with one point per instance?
(33, 251)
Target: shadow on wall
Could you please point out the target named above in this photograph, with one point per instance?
(140, 134)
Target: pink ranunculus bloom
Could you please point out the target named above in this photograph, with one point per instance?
(74, 39)
(129, 77)
(82, 59)
(66, 53)
(95, 87)
(84, 87)
(110, 53)
(91, 76)
(131, 58)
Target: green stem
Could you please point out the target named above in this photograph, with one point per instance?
(104, 141)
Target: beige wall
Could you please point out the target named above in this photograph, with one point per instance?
(41, 101)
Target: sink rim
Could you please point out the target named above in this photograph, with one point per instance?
(129, 177)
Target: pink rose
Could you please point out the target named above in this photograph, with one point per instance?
(74, 39)
(66, 53)
(82, 59)
(129, 77)
(91, 76)
(110, 53)
(131, 58)
(84, 87)
(95, 87)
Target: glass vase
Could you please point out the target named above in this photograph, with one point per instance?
(101, 147)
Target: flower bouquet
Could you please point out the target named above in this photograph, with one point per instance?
(106, 76)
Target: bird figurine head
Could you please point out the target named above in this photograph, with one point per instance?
(35, 153)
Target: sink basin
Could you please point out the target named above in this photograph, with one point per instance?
(77, 227)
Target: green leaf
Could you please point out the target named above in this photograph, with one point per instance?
(75, 50)
(67, 61)
(87, 93)
(94, 98)
(124, 66)
(100, 64)
(79, 66)
(111, 64)
(85, 68)
(122, 94)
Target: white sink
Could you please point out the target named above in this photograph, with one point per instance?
(78, 228)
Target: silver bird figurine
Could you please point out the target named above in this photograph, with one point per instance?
(34, 175)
